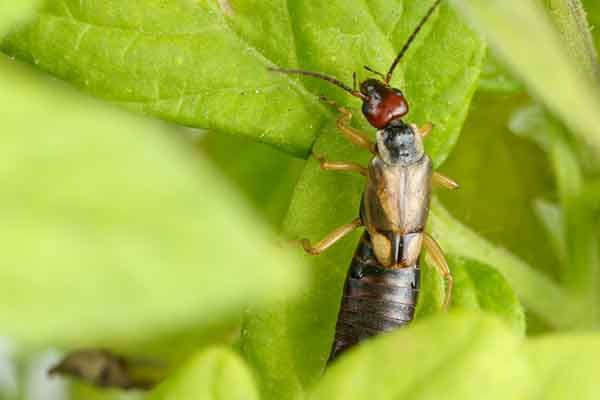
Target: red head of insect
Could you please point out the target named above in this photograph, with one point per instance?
(382, 103)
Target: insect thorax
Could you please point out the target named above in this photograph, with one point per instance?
(399, 143)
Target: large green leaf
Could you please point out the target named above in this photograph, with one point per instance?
(266, 176)
(215, 374)
(200, 65)
(479, 287)
(204, 64)
(14, 12)
(451, 357)
(191, 63)
(440, 75)
(465, 356)
(112, 230)
(564, 366)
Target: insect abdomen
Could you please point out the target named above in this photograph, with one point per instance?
(375, 299)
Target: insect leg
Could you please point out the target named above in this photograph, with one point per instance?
(437, 256)
(330, 239)
(438, 179)
(353, 135)
(340, 165)
(426, 129)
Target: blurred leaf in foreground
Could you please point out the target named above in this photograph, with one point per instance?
(496, 78)
(521, 33)
(112, 231)
(571, 19)
(214, 374)
(465, 356)
(457, 356)
(15, 12)
(572, 226)
(564, 366)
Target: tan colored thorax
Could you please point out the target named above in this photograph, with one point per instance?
(395, 208)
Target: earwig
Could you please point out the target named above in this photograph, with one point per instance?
(382, 284)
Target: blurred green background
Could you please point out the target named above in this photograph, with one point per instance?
(164, 238)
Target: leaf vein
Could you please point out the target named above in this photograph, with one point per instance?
(84, 30)
(72, 19)
(66, 8)
(267, 62)
(260, 56)
(158, 99)
(128, 47)
(292, 31)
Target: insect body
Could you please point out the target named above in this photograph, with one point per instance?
(382, 284)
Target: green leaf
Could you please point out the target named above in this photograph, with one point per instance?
(496, 78)
(440, 75)
(523, 36)
(582, 265)
(457, 356)
(557, 306)
(266, 176)
(204, 64)
(591, 193)
(552, 217)
(465, 356)
(479, 287)
(82, 391)
(564, 366)
(114, 231)
(15, 12)
(499, 174)
(593, 10)
(214, 374)
(192, 64)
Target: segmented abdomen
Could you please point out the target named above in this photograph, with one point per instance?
(375, 299)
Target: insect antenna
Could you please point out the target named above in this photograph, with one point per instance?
(373, 71)
(324, 77)
(412, 37)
